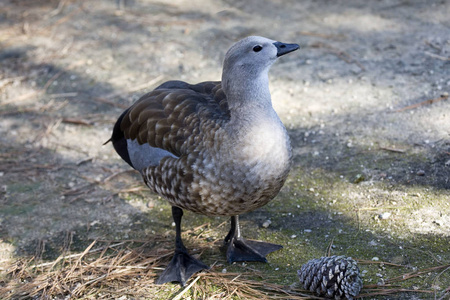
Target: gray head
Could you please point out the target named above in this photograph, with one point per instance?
(252, 57)
(256, 53)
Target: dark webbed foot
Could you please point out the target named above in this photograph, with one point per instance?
(182, 266)
(240, 249)
(248, 250)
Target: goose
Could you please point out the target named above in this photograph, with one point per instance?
(216, 148)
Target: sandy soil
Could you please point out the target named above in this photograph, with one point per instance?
(365, 101)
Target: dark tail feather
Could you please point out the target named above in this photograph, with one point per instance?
(119, 141)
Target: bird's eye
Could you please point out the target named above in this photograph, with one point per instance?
(257, 48)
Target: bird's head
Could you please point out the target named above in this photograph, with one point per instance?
(254, 54)
(249, 60)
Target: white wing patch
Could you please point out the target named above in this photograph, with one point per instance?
(143, 156)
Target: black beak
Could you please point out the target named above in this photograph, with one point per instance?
(285, 48)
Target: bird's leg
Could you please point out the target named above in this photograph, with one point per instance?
(240, 249)
(182, 266)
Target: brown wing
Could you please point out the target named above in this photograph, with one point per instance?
(174, 113)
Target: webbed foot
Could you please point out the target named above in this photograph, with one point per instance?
(240, 249)
(181, 268)
(183, 265)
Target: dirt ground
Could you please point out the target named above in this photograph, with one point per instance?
(365, 101)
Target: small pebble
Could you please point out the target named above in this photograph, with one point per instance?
(266, 223)
(384, 216)
(224, 270)
(293, 236)
(438, 222)
(373, 243)
(421, 173)
(359, 178)
(375, 258)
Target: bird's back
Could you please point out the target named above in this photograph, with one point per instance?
(167, 119)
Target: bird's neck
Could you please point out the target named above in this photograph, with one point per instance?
(250, 104)
(247, 94)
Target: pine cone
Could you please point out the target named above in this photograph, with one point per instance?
(333, 277)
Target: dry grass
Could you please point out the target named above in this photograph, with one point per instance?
(127, 269)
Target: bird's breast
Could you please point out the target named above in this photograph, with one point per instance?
(244, 173)
(265, 148)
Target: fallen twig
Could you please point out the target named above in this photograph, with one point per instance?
(7, 81)
(78, 190)
(381, 207)
(433, 46)
(393, 149)
(364, 261)
(48, 130)
(44, 89)
(51, 80)
(321, 35)
(62, 95)
(107, 98)
(70, 148)
(429, 101)
(339, 53)
(49, 167)
(86, 160)
(108, 178)
(186, 289)
(62, 19)
(58, 9)
(53, 263)
(416, 273)
(437, 56)
(383, 292)
(112, 103)
(76, 121)
(135, 88)
(22, 97)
